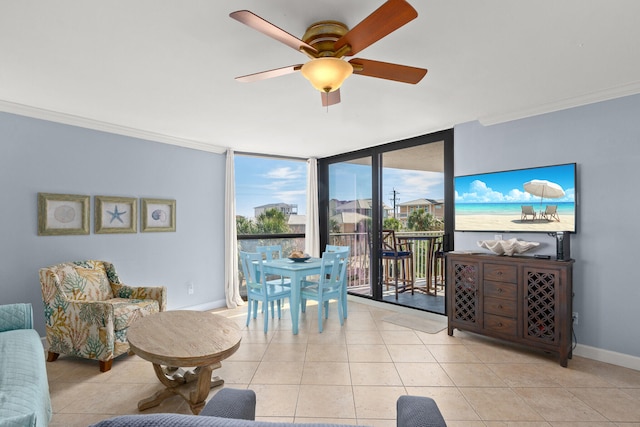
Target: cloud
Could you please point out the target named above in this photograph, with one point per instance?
(285, 173)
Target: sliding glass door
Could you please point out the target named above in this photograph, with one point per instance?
(350, 213)
(406, 187)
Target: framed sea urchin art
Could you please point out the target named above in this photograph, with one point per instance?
(158, 215)
(60, 214)
(115, 214)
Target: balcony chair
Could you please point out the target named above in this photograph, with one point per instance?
(329, 286)
(258, 290)
(88, 310)
(397, 259)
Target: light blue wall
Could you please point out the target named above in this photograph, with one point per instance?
(40, 156)
(604, 140)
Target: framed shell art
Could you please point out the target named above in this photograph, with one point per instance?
(115, 214)
(158, 215)
(62, 214)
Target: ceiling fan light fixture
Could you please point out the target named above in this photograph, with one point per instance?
(326, 74)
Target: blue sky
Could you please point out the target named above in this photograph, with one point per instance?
(260, 181)
(507, 187)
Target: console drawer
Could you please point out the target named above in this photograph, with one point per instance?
(500, 290)
(500, 307)
(501, 272)
(504, 325)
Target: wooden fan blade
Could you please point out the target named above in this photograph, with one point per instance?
(388, 71)
(330, 98)
(252, 20)
(249, 78)
(392, 15)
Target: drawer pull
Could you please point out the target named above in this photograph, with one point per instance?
(500, 324)
(500, 290)
(499, 273)
(500, 306)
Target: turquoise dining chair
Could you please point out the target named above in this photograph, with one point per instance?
(271, 252)
(258, 290)
(329, 285)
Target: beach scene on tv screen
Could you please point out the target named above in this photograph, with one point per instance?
(537, 200)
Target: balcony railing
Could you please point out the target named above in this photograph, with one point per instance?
(360, 258)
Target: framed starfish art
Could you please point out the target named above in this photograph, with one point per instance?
(115, 214)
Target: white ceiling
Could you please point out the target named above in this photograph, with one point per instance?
(164, 69)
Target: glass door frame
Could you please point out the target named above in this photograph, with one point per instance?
(375, 153)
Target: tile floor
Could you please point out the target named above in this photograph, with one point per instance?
(354, 374)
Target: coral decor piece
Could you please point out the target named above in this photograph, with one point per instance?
(507, 247)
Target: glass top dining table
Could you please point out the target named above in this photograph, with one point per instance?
(298, 271)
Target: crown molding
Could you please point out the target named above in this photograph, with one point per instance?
(632, 88)
(83, 122)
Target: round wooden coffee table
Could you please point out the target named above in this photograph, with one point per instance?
(184, 347)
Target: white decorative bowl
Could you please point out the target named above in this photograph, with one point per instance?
(507, 247)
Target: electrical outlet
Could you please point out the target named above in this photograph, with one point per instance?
(574, 316)
(190, 288)
(497, 237)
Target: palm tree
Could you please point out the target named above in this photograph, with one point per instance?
(272, 221)
(420, 220)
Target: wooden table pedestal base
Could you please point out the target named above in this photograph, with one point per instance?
(192, 385)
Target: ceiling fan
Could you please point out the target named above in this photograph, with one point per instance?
(326, 43)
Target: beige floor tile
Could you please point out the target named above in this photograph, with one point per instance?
(400, 337)
(326, 353)
(591, 424)
(377, 423)
(364, 337)
(472, 375)
(325, 401)
(328, 337)
(249, 352)
(423, 375)
(501, 352)
(275, 400)
(354, 374)
(439, 338)
(557, 404)
(499, 404)
(291, 352)
(616, 405)
(517, 424)
(368, 353)
(307, 420)
(524, 375)
(374, 374)
(452, 353)
(236, 372)
(278, 373)
(410, 353)
(376, 402)
(452, 404)
(326, 373)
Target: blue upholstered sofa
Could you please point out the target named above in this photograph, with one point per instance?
(237, 408)
(24, 388)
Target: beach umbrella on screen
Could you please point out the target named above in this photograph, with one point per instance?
(544, 189)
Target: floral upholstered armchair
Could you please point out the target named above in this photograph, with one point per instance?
(88, 310)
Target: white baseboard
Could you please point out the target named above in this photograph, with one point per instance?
(607, 356)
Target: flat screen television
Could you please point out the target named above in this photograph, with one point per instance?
(539, 199)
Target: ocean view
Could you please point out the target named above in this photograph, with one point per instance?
(564, 208)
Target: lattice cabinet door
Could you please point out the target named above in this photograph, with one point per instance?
(465, 298)
(541, 305)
